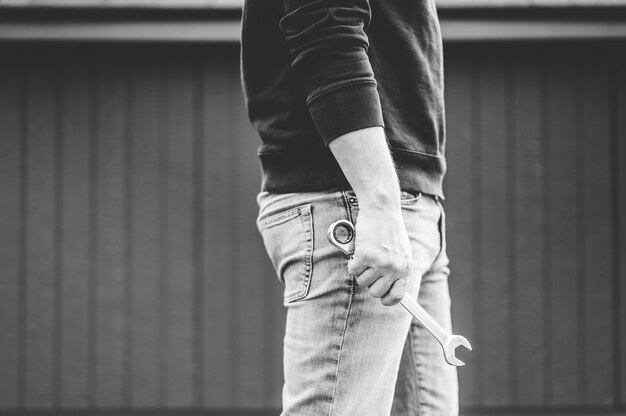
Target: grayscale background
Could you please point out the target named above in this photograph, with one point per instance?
(132, 277)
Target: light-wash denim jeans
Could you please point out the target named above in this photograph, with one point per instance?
(345, 354)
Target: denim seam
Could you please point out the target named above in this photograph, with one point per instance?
(280, 218)
(343, 337)
(412, 200)
(416, 363)
(307, 224)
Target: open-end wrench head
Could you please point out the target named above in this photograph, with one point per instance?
(449, 349)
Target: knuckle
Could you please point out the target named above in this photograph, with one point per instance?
(364, 280)
(386, 265)
(361, 260)
(357, 256)
(392, 299)
(354, 265)
(404, 266)
(387, 281)
(386, 302)
(367, 254)
(409, 265)
(397, 266)
(376, 292)
(402, 284)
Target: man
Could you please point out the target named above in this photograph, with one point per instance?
(347, 96)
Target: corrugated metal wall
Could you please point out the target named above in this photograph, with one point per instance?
(537, 186)
(132, 275)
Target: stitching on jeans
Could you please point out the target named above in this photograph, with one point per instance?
(416, 363)
(282, 217)
(343, 337)
(348, 208)
(307, 224)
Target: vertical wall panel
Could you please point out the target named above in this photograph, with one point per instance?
(145, 223)
(496, 214)
(178, 236)
(198, 224)
(219, 323)
(40, 260)
(110, 238)
(621, 214)
(10, 236)
(461, 191)
(75, 215)
(234, 254)
(250, 256)
(564, 368)
(597, 264)
(238, 308)
(528, 141)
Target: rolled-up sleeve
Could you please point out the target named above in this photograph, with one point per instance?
(328, 44)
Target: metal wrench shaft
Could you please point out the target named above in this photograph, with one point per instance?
(425, 319)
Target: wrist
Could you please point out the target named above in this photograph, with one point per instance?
(373, 200)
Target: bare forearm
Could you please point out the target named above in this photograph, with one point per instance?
(365, 160)
(382, 256)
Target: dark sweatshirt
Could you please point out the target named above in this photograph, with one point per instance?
(313, 70)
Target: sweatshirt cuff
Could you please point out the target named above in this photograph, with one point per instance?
(345, 109)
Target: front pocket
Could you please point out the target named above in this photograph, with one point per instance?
(288, 239)
(409, 198)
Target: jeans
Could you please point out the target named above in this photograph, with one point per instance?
(345, 354)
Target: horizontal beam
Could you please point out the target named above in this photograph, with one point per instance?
(220, 31)
(148, 4)
(454, 30)
(236, 4)
(477, 411)
(505, 30)
(466, 4)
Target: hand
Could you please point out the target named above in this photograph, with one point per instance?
(382, 258)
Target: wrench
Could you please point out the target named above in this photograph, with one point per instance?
(341, 235)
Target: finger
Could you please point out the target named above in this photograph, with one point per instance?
(357, 265)
(395, 293)
(368, 277)
(380, 287)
